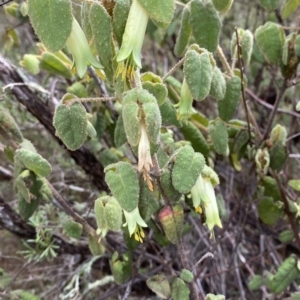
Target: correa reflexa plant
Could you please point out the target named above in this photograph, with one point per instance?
(163, 105)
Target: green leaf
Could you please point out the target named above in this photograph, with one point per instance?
(70, 123)
(219, 136)
(121, 267)
(147, 202)
(9, 126)
(120, 14)
(168, 114)
(123, 183)
(160, 285)
(91, 131)
(295, 184)
(255, 283)
(187, 168)
(184, 32)
(85, 20)
(240, 139)
(247, 46)
(102, 32)
(218, 85)
(158, 90)
(78, 90)
(186, 275)
(269, 4)
(193, 134)
(180, 290)
(228, 105)
(198, 72)
(286, 236)
(31, 63)
(289, 8)
(26, 210)
(270, 39)
(34, 162)
(120, 135)
(278, 156)
(222, 5)
(100, 125)
(271, 188)
(160, 11)
(268, 211)
(22, 184)
(206, 24)
(73, 229)
(166, 183)
(53, 64)
(286, 274)
(52, 21)
(95, 246)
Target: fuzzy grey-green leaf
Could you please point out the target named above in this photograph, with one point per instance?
(52, 21)
(120, 135)
(228, 105)
(186, 169)
(180, 290)
(269, 4)
(198, 73)
(219, 136)
(120, 14)
(193, 134)
(70, 123)
(123, 183)
(73, 229)
(102, 32)
(218, 85)
(270, 39)
(184, 32)
(160, 11)
(34, 162)
(206, 24)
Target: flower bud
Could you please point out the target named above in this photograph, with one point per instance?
(278, 134)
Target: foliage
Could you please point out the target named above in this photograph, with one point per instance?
(162, 133)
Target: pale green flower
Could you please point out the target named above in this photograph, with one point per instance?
(185, 105)
(145, 161)
(134, 222)
(129, 56)
(203, 194)
(81, 51)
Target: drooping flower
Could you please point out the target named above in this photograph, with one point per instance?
(203, 194)
(134, 222)
(145, 161)
(129, 56)
(81, 51)
(185, 104)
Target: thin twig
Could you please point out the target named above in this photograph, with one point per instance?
(173, 69)
(224, 61)
(6, 2)
(269, 106)
(239, 51)
(87, 228)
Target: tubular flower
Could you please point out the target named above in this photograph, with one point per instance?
(203, 194)
(129, 56)
(80, 49)
(145, 161)
(185, 104)
(135, 223)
